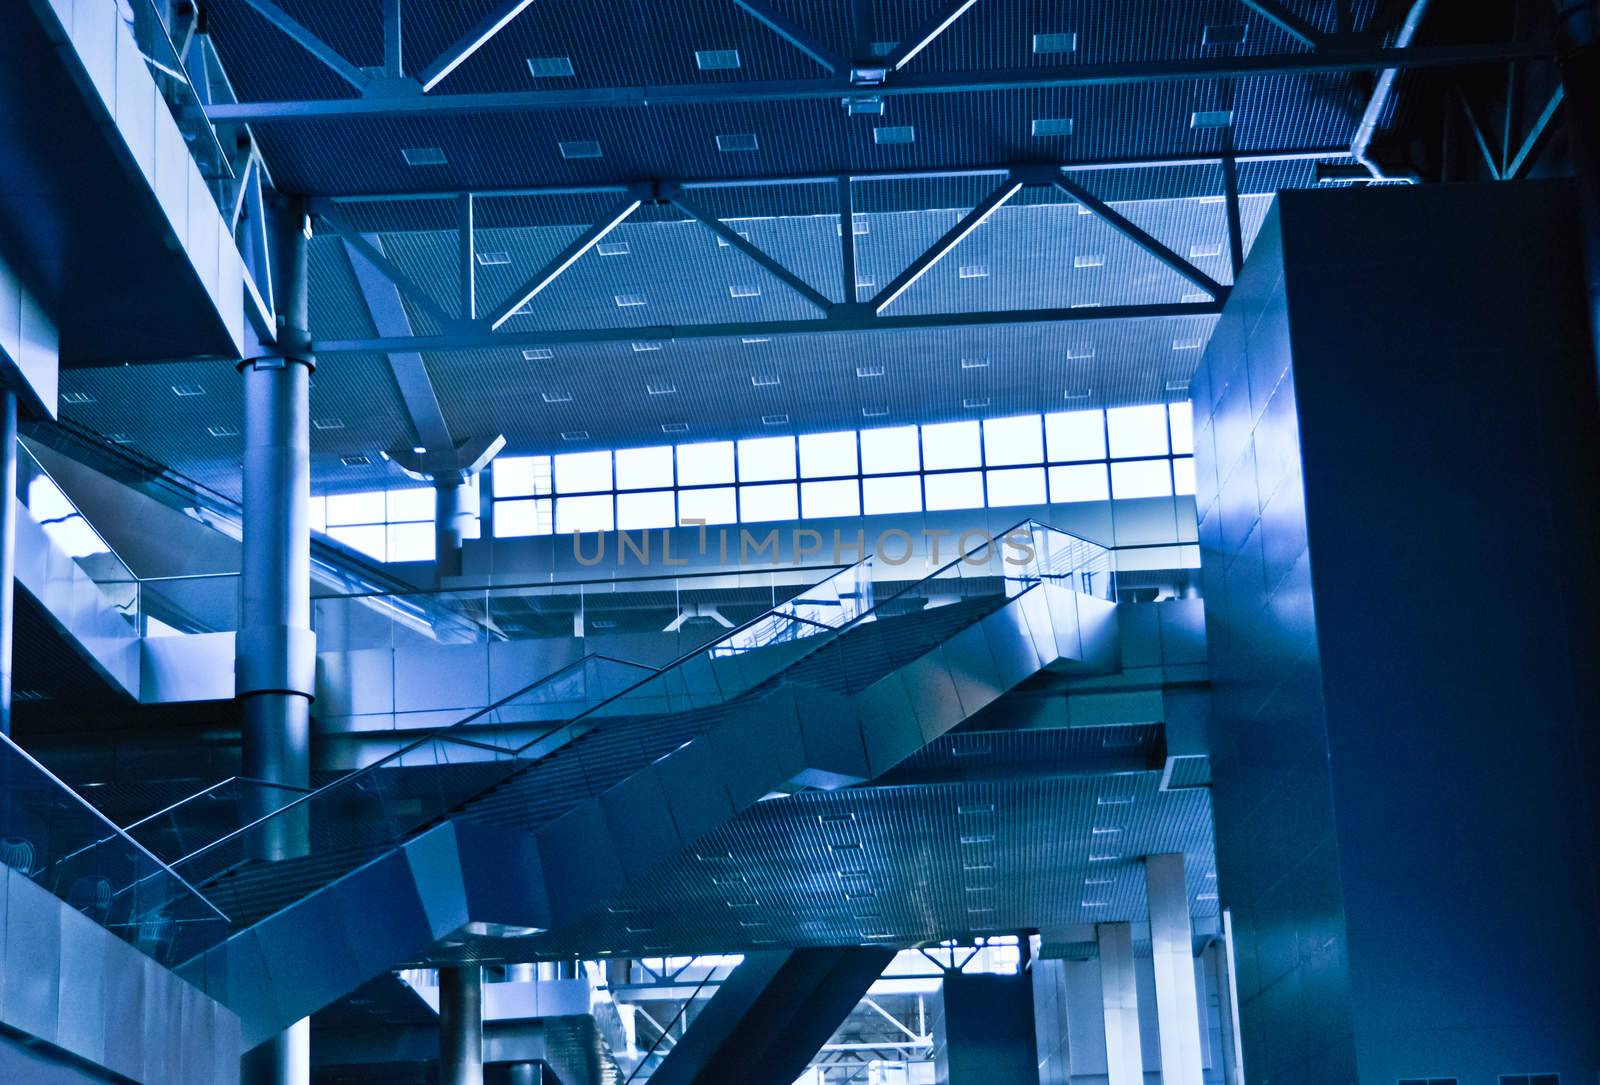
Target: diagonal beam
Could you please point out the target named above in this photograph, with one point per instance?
(930, 30)
(393, 41)
(1139, 237)
(1479, 136)
(738, 241)
(793, 34)
(403, 282)
(568, 256)
(475, 39)
(1286, 21)
(1534, 142)
(312, 44)
(941, 248)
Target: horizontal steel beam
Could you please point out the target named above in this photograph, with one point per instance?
(903, 83)
(842, 318)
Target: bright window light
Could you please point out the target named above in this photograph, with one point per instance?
(1183, 475)
(765, 459)
(411, 505)
(951, 444)
(654, 509)
(1012, 440)
(582, 472)
(411, 542)
(319, 514)
(1181, 421)
(1079, 482)
(1141, 478)
(825, 454)
(1018, 486)
(714, 506)
(371, 540)
(358, 508)
(711, 462)
(1137, 431)
(522, 517)
(591, 513)
(521, 476)
(901, 493)
(644, 468)
(958, 490)
(885, 451)
(775, 502)
(839, 498)
(1076, 435)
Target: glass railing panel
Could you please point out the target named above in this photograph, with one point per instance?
(66, 527)
(57, 840)
(204, 603)
(208, 815)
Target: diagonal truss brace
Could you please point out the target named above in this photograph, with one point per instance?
(475, 39)
(1139, 237)
(403, 282)
(941, 21)
(1534, 141)
(738, 241)
(311, 43)
(567, 257)
(958, 233)
(794, 35)
(1287, 21)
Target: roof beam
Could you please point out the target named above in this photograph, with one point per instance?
(1139, 237)
(321, 50)
(841, 319)
(386, 267)
(958, 233)
(738, 241)
(462, 51)
(941, 22)
(908, 83)
(1286, 21)
(793, 34)
(565, 259)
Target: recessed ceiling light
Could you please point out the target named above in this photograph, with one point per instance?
(1205, 252)
(974, 363)
(737, 141)
(1190, 299)
(423, 156)
(975, 404)
(1103, 858)
(864, 105)
(76, 397)
(869, 370)
(550, 67)
(1094, 904)
(724, 243)
(874, 412)
(612, 248)
(1076, 394)
(1187, 344)
(765, 380)
(1104, 830)
(744, 291)
(580, 148)
(538, 354)
(1114, 800)
(1097, 881)
(679, 427)
(716, 60)
(1065, 42)
(556, 397)
(120, 438)
(330, 422)
(774, 420)
(973, 271)
(1052, 126)
(1211, 118)
(902, 133)
(222, 431)
(645, 348)
(858, 226)
(188, 390)
(753, 340)
(419, 450)
(865, 284)
(575, 435)
(661, 389)
(1079, 354)
(356, 460)
(494, 259)
(1224, 34)
(628, 301)
(1177, 386)
(1090, 260)
(1086, 305)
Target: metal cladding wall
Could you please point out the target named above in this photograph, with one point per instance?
(1397, 449)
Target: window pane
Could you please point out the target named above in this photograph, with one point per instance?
(1076, 435)
(1012, 440)
(715, 506)
(1183, 428)
(521, 476)
(410, 505)
(370, 540)
(1141, 478)
(1020, 486)
(1081, 482)
(644, 468)
(513, 519)
(654, 509)
(824, 454)
(411, 542)
(778, 502)
(962, 490)
(1183, 475)
(362, 508)
(319, 512)
(903, 493)
(591, 513)
(710, 462)
(1137, 431)
(887, 450)
(950, 444)
(841, 498)
(580, 472)
(766, 458)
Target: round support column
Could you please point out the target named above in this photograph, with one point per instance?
(455, 510)
(461, 1025)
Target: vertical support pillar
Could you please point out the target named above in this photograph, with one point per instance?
(275, 650)
(988, 1028)
(8, 549)
(455, 510)
(1172, 950)
(461, 1025)
(1120, 995)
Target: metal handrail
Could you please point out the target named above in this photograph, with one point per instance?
(206, 791)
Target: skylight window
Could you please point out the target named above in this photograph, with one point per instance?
(716, 60)
(737, 141)
(580, 148)
(1065, 42)
(550, 67)
(1052, 126)
(903, 133)
(423, 156)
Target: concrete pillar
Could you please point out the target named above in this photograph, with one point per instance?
(455, 510)
(461, 1025)
(8, 549)
(275, 651)
(1172, 950)
(1120, 995)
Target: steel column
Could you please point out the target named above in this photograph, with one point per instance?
(1172, 952)
(1120, 997)
(283, 1060)
(455, 508)
(461, 1025)
(8, 549)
